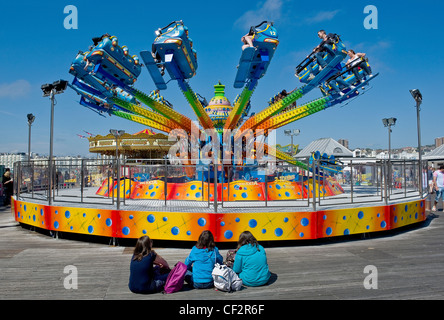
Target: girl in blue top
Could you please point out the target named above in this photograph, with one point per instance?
(203, 256)
(251, 261)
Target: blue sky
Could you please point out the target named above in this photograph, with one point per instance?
(405, 49)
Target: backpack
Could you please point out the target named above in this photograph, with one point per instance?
(225, 279)
(175, 279)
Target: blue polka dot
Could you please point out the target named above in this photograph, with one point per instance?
(301, 234)
(344, 218)
(305, 222)
(287, 193)
(244, 195)
(175, 231)
(346, 232)
(264, 231)
(90, 229)
(33, 217)
(360, 215)
(193, 187)
(165, 219)
(125, 231)
(56, 224)
(41, 212)
(108, 222)
(150, 187)
(188, 233)
(84, 215)
(252, 223)
(228, 234)
(416, 215)
(198, 194)
(324, 217)
(222, 223)
(131, 217)
(237, 219)
(151, 218)
(395, 219)
(383, 224)
(329, 231)
(406, 208)
(278, 187)
(144, 231)
(152, 194)
(24, 207)
(285, 219)
(201, 222)
(278, 232)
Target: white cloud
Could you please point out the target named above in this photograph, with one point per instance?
(15, 89)
(322, 16)
(271, 10)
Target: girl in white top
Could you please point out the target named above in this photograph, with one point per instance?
(354, 62)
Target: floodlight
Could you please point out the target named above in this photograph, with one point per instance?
(392, 121)
(60, 85)
(416, 94)
(46, 88)
(31, 118)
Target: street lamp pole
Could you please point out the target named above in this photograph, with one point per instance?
(292, 133)
(50, 90)
(416, 94)
(117, 134)
(31, 119)
(389, 123)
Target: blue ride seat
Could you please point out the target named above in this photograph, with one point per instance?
(309, 66)
(349, 77)
(254, 61)
(174, 50)
(115, 61)
(81, 69)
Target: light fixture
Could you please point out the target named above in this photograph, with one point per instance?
(31, 118)
(416, 94)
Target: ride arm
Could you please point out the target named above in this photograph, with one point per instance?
(152, 116)
(254, 121)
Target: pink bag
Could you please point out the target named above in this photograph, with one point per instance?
(175, 278)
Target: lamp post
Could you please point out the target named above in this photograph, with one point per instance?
(50, 90)
(292, 133)
(388, 123)
(416, 94)
(117, 134)
(31, 119)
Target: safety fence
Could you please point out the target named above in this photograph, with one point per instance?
(314, 185)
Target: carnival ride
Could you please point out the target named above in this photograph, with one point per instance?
(105, 78)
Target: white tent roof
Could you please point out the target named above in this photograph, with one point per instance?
(325, 145)
(437, 154)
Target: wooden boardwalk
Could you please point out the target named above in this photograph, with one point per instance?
(409, 264)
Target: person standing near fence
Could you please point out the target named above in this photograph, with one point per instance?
(438, 183)
(8, 186)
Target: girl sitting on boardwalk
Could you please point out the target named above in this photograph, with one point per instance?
(251, 261)
(202, 258)
(148, 270)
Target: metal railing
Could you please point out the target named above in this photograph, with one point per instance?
(164, 184)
